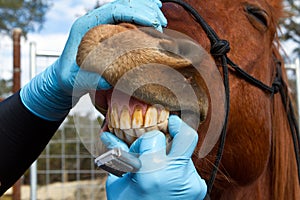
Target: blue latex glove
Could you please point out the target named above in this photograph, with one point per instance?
(51, 94)
(162, 176)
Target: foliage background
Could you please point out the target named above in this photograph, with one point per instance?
(26, 14)
(291, 24)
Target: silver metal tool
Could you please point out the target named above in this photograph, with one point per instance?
(118, 162)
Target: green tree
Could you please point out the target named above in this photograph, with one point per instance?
(29, 15)
(5, 88)
(291, 27)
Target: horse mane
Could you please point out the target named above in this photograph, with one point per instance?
(283, 166)
(285, 184)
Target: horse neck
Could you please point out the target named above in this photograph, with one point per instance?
(280, 178)
(283, 167)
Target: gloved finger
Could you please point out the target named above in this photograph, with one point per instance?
(152, 150)
(184, 137)
(159, 28)
(150, 17)
(101, 15)
(163, 20)
(103, 84)
(150, 142)
(85, 80)
(111, 179)
(160, 15)
(90, 80)
(158, 3)
(111, 141)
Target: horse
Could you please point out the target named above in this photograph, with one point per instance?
(258, 161)
(256, 156)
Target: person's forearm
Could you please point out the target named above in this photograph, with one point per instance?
(23, 136)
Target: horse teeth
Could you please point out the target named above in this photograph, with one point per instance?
(125, 119)
(163, 126)
(137, 118)
(111, 129)
(119, 133)
(139, 131)
(129, 128)
(151, 128)
(108, 117)
(130, 135)
(150, 117)
(125, 125)
(114, 119)
(163, 116)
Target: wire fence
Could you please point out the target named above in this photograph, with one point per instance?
(65, 169)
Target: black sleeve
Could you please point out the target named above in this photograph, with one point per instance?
(23, 136)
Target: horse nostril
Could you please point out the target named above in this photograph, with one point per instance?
(190, 50)
(169, 46)
(181, 47)
(186, 48)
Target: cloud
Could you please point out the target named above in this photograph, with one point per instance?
(61, 15)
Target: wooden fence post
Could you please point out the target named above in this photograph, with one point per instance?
(17, 32)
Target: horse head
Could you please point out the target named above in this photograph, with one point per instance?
(258, 159)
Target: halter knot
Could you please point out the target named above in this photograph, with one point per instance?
(220, 48)
(276, 85)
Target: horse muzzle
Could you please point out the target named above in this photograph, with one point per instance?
(153, 75)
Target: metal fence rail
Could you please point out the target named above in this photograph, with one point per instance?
(65, 169)
(66, 161)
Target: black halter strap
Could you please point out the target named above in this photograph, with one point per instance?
(282, 88)
(219, 49)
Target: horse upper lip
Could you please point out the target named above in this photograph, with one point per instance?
(157, 70)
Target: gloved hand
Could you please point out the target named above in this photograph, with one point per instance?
(51, 94)
(162, 176)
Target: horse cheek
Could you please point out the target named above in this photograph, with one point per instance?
(248, 134)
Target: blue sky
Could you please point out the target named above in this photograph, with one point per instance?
(61, 15)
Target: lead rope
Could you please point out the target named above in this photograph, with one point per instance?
(219, 49)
